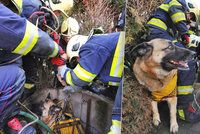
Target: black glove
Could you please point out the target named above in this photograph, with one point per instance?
(41, 19)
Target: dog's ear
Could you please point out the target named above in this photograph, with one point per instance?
(143, 49)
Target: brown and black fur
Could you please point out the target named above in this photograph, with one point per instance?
(153, 68)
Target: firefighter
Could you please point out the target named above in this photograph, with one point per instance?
(101, 57)
(18, 36)
(172, 20)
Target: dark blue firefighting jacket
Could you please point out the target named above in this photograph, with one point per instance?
(168, 19)
(101, 56)
(19, 36)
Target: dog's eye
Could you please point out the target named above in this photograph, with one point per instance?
(171, 47)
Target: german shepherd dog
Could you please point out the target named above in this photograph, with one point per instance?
(156, 67)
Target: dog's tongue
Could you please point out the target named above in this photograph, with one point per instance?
(180, 63)
(183, 63)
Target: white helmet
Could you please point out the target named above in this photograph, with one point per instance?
(194, 7)
(61, 5)
(71, 26)
(74, 45)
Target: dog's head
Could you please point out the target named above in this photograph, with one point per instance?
(163, 53)
(50, 109)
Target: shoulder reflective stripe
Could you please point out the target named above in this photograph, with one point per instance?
(55, 51)
(181, 114)
(179, 16)
(116, 122)
(183, 90)
(174, 3)
(29, 40)
(69, 78)
(158, 23)
(164, 7)
(118, 59)
(110, 83)
(83, 74)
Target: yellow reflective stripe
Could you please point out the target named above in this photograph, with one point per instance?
(181, 114)
(28, 85)
(69, 78)
(165, 7)
(116, 122)
(113, 83)
(55, 51)
(29, 40)
(174, 3)
(83, 74)
(118, 59)
(183, 90)
(179, 16)
(158, 23)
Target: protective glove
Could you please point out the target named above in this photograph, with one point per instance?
(41, 19)
(115, 128)
(185, 39)
(61, 70)
(194, 41)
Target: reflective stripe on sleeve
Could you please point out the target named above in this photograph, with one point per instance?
(179, 16)
(183, 90)
(83, 74)
(118, 59)
(69, 78)
(113, 83)
(174, 3)
(29, 40)
(55, 51)
(165, 7)
(158, 23)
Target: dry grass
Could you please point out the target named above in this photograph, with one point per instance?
(95, 13)
(136, 108)
(138, 12)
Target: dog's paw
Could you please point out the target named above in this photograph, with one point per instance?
(174, 128)
(156, 121)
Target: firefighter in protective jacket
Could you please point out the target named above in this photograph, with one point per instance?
(18, 36)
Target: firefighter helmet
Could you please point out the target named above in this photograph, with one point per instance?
(61, 5)
(70, 27)
(74, 45)
(194, 7)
